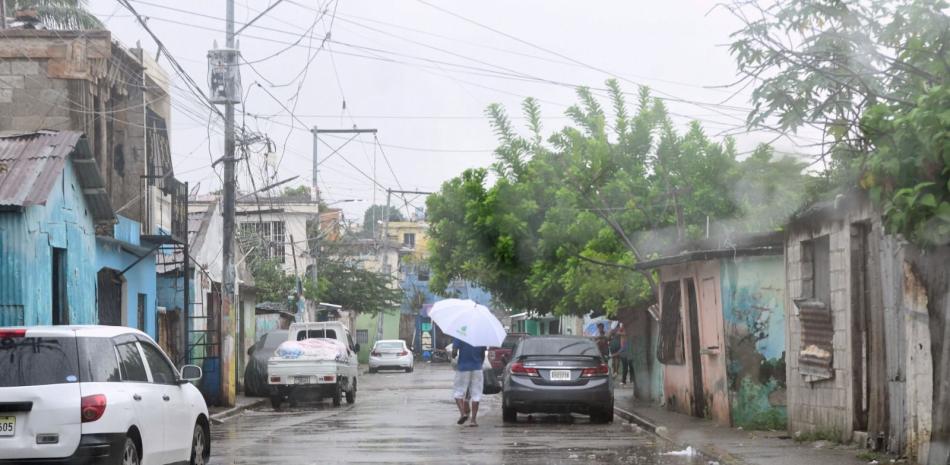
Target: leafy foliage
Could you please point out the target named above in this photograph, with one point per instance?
(861, 72)
(568, 216)
(59, 14)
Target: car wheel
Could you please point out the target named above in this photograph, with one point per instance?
(275, 401)
(130, 452)
(351, 394)
(408, 369)
(338, 394)
(604, 415)
(199, 446)
(509, 415)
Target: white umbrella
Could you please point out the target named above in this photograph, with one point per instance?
(468, 321)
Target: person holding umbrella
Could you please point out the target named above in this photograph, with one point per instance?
(473, 328)
(469, 381)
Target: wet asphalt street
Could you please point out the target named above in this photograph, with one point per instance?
(409, 418)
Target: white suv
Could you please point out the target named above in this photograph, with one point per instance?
(97, 394)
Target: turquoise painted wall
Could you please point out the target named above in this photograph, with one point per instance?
(140, 279)
(26, 241)
(753, 307)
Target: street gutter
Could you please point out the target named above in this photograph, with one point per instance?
(221, 416)
(713, 452)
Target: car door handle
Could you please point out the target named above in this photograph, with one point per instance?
(136, 397)
(166, 398)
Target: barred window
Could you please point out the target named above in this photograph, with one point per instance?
(272, 236)
(362, 336)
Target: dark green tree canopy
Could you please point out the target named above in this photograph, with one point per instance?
(570, 214)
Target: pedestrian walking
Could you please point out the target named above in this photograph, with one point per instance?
(602, 343)
(469, 380)
(614, 347)
(626, 357)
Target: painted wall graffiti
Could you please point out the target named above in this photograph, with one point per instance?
(753, 296)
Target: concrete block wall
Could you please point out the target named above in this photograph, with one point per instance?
(29, 99)
(820, 406)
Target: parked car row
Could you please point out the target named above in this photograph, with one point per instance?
(97, 394)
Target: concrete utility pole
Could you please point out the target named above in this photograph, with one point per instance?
(314, 242)
(228, 295)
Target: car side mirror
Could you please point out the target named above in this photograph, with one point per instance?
(356, 348)
(190, 373)
(250, 351)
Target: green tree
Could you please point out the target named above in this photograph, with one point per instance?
(376, 214)
(871, 76)
(569, 215)
(58, 14)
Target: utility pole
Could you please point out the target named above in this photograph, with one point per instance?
(314, 242)
(229, 295)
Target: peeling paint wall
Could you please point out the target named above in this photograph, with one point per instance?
(26, 242)
(753, 305)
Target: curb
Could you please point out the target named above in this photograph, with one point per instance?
(220, 417)
(662, 432)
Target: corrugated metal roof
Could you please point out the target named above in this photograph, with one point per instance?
(30, 164)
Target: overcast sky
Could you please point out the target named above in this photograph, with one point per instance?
(423, 77)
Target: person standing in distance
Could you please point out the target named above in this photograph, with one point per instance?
(468, 379)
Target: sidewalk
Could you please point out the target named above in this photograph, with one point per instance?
(241, 403)
(730, 445)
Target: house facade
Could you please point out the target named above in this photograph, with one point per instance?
(721, 332)
(51, 201)
(84, 81)
(867, 332)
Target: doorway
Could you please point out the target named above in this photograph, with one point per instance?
(860, 314)
(695, 350)
(110, 286)
(59, 298)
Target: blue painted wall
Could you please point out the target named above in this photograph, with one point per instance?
(753, 307)
(26, 241)
(140, 279)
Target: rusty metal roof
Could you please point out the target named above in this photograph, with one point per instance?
(32, 162)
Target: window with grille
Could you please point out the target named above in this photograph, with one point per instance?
(271, 234)
(409, 240)
(362, 336)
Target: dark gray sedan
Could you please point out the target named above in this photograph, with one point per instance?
(558, 374)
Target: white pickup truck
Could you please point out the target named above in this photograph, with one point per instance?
(296, 372)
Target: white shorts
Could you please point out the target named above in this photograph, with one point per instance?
(471, 382)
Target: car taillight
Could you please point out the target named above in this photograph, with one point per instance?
(375, 354)
(600, 370)
(5, 333)
(275, 379)
(518, 368)
(92, 407)
(403, 353)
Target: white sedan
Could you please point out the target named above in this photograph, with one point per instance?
(390, 354)
(97, 394)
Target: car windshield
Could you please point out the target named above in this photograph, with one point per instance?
(35, 361)
(274, 339)
(557, 346)
(389, 345)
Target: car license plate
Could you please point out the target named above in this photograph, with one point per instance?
(7, 426)
(560, 375)
(301, 380)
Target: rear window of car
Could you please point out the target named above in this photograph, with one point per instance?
(37, 361)
(389, 345)
(557, 346)
(511, 341)
(316, 333)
